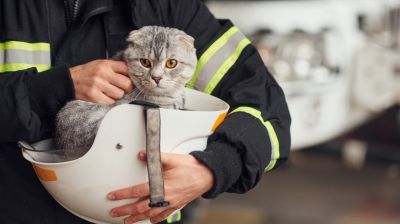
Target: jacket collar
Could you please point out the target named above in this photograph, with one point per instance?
(90, 8)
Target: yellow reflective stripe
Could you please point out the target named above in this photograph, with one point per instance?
(210, 52)
(12, 67)
(275, 143)
(169, 219)
(271, 132)
(226, 66)
(24, 46)
(175, 217)
(255, 113)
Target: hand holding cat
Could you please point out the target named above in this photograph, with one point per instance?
(101, 81)
(185, 179)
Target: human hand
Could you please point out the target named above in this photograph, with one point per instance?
(101, 81)
(185, 179)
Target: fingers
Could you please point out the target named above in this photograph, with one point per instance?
(137, 208)
(101, 81)
(101, 98)
(118, 75)
(152, 212)
(104, 93)
(120, 81)
(185, 179)
(112, 91)
(135, 218)
(161, 216)
(138, 191)
(118, 67)
(142, 155)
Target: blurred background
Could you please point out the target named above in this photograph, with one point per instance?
(338, 62)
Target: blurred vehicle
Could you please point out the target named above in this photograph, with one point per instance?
(337, 60)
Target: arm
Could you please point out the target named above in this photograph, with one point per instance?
(255, 137)
(29, 99)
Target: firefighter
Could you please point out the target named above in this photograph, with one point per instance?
(52, 51)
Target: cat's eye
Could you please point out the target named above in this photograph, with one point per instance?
(145, 62)
(171, 63)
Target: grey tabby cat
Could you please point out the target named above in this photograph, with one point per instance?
(160, 61)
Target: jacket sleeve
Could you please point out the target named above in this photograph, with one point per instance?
(255, 136)
(30, 100)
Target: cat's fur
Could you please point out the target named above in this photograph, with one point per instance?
(77, 123)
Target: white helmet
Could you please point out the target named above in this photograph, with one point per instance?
(81, 185)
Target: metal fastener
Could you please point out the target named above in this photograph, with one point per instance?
(118, 146)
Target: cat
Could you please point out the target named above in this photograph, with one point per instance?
(160, 61)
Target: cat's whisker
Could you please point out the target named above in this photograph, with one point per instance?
(136, 90)
(140, 92)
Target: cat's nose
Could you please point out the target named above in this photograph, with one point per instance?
(156, 79)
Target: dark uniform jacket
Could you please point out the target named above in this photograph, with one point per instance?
(41, 39)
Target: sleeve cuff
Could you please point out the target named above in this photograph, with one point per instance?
(50, 90)
(225, 164)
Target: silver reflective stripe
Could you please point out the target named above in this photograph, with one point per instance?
(18, 55)
(26, 57)
(215, 62)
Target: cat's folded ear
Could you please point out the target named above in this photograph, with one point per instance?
(135, 36)
(187, 40)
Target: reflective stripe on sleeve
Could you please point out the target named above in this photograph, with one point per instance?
(217, 60)
(174, 217)
(271, 132)
(17, 55)
(24, 46)
(226, 66)
(20, 66)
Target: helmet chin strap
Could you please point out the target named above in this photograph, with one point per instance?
(154, 166)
